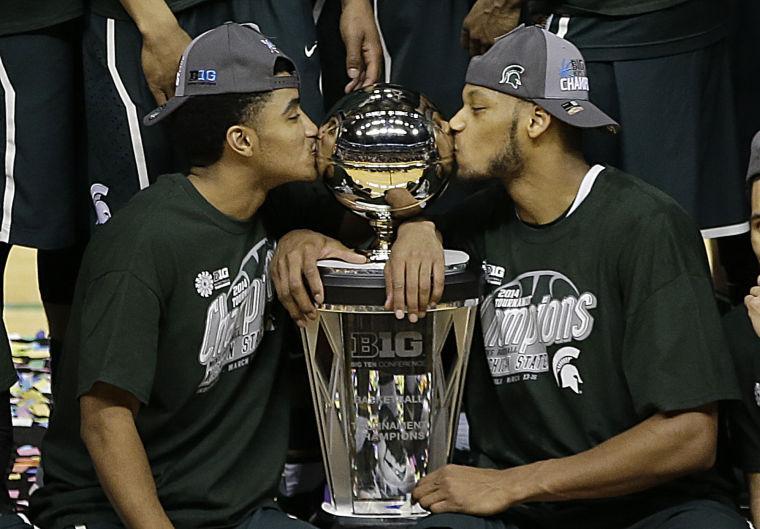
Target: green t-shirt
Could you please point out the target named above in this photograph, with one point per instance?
(174, 304)
(113, 8)
(19, 16)
(588, 326)
(744, 415)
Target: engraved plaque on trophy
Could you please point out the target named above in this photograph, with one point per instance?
(386, 392)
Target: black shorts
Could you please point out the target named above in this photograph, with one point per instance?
(123, 155)
(265, 518)
(422, 50)
(678, 126)
(697, 514)
(40, 131)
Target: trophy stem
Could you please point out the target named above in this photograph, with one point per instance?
(385, 229)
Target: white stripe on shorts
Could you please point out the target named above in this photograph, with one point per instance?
(562, 29)
(129, 106)
(10, 153)
(386, 54)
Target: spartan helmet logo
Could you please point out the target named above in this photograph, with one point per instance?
(98, 193)
(511, 76)
(565, 373)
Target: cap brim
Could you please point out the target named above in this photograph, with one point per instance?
(159, 113)
(578, 113)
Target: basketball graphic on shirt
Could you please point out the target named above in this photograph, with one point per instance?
(524, 317)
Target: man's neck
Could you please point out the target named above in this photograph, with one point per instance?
(547, 187)
(229, 189)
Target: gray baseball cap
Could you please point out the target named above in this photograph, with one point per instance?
(534, 64)
(230, 59)
(754, 158)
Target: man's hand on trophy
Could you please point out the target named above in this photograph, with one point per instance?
(467, 490)
(414, 274)
(295, 259)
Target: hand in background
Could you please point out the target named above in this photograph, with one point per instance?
(364, 54)
(487, 20)
(161, 52)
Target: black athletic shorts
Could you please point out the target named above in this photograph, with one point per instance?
(697, 514)
(265, 518)
(676, 110)
(123, 155)
(40, 131)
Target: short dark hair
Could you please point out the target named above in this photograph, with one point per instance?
(199, 127)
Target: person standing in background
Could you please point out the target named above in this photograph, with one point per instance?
(131, 52)
(42, 194)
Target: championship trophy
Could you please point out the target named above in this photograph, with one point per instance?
(386, 391)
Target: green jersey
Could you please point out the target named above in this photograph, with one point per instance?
(174, 304)
(588, 326)
(744, 415)
(20, 16)
(113, 8)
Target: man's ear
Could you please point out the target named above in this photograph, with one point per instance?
(242, 140)
(539, 121)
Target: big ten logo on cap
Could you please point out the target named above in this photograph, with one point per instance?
(511, 76)
(405, 344)
(269, 44)
(207, 76)
(572, 75)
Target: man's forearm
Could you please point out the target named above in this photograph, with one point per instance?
(653, 452)
(150, 16)
(123, 469)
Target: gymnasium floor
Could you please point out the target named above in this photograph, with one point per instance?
(27, 327)
(23, 309)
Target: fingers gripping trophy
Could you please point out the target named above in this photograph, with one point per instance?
(386, 391)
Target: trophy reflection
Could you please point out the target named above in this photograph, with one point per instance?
(386, 392)
(385, 152)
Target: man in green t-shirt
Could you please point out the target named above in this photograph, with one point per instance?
(593, 383)
(172, 400)
(742, 326)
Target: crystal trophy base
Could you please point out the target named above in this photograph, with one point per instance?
(386, 391)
